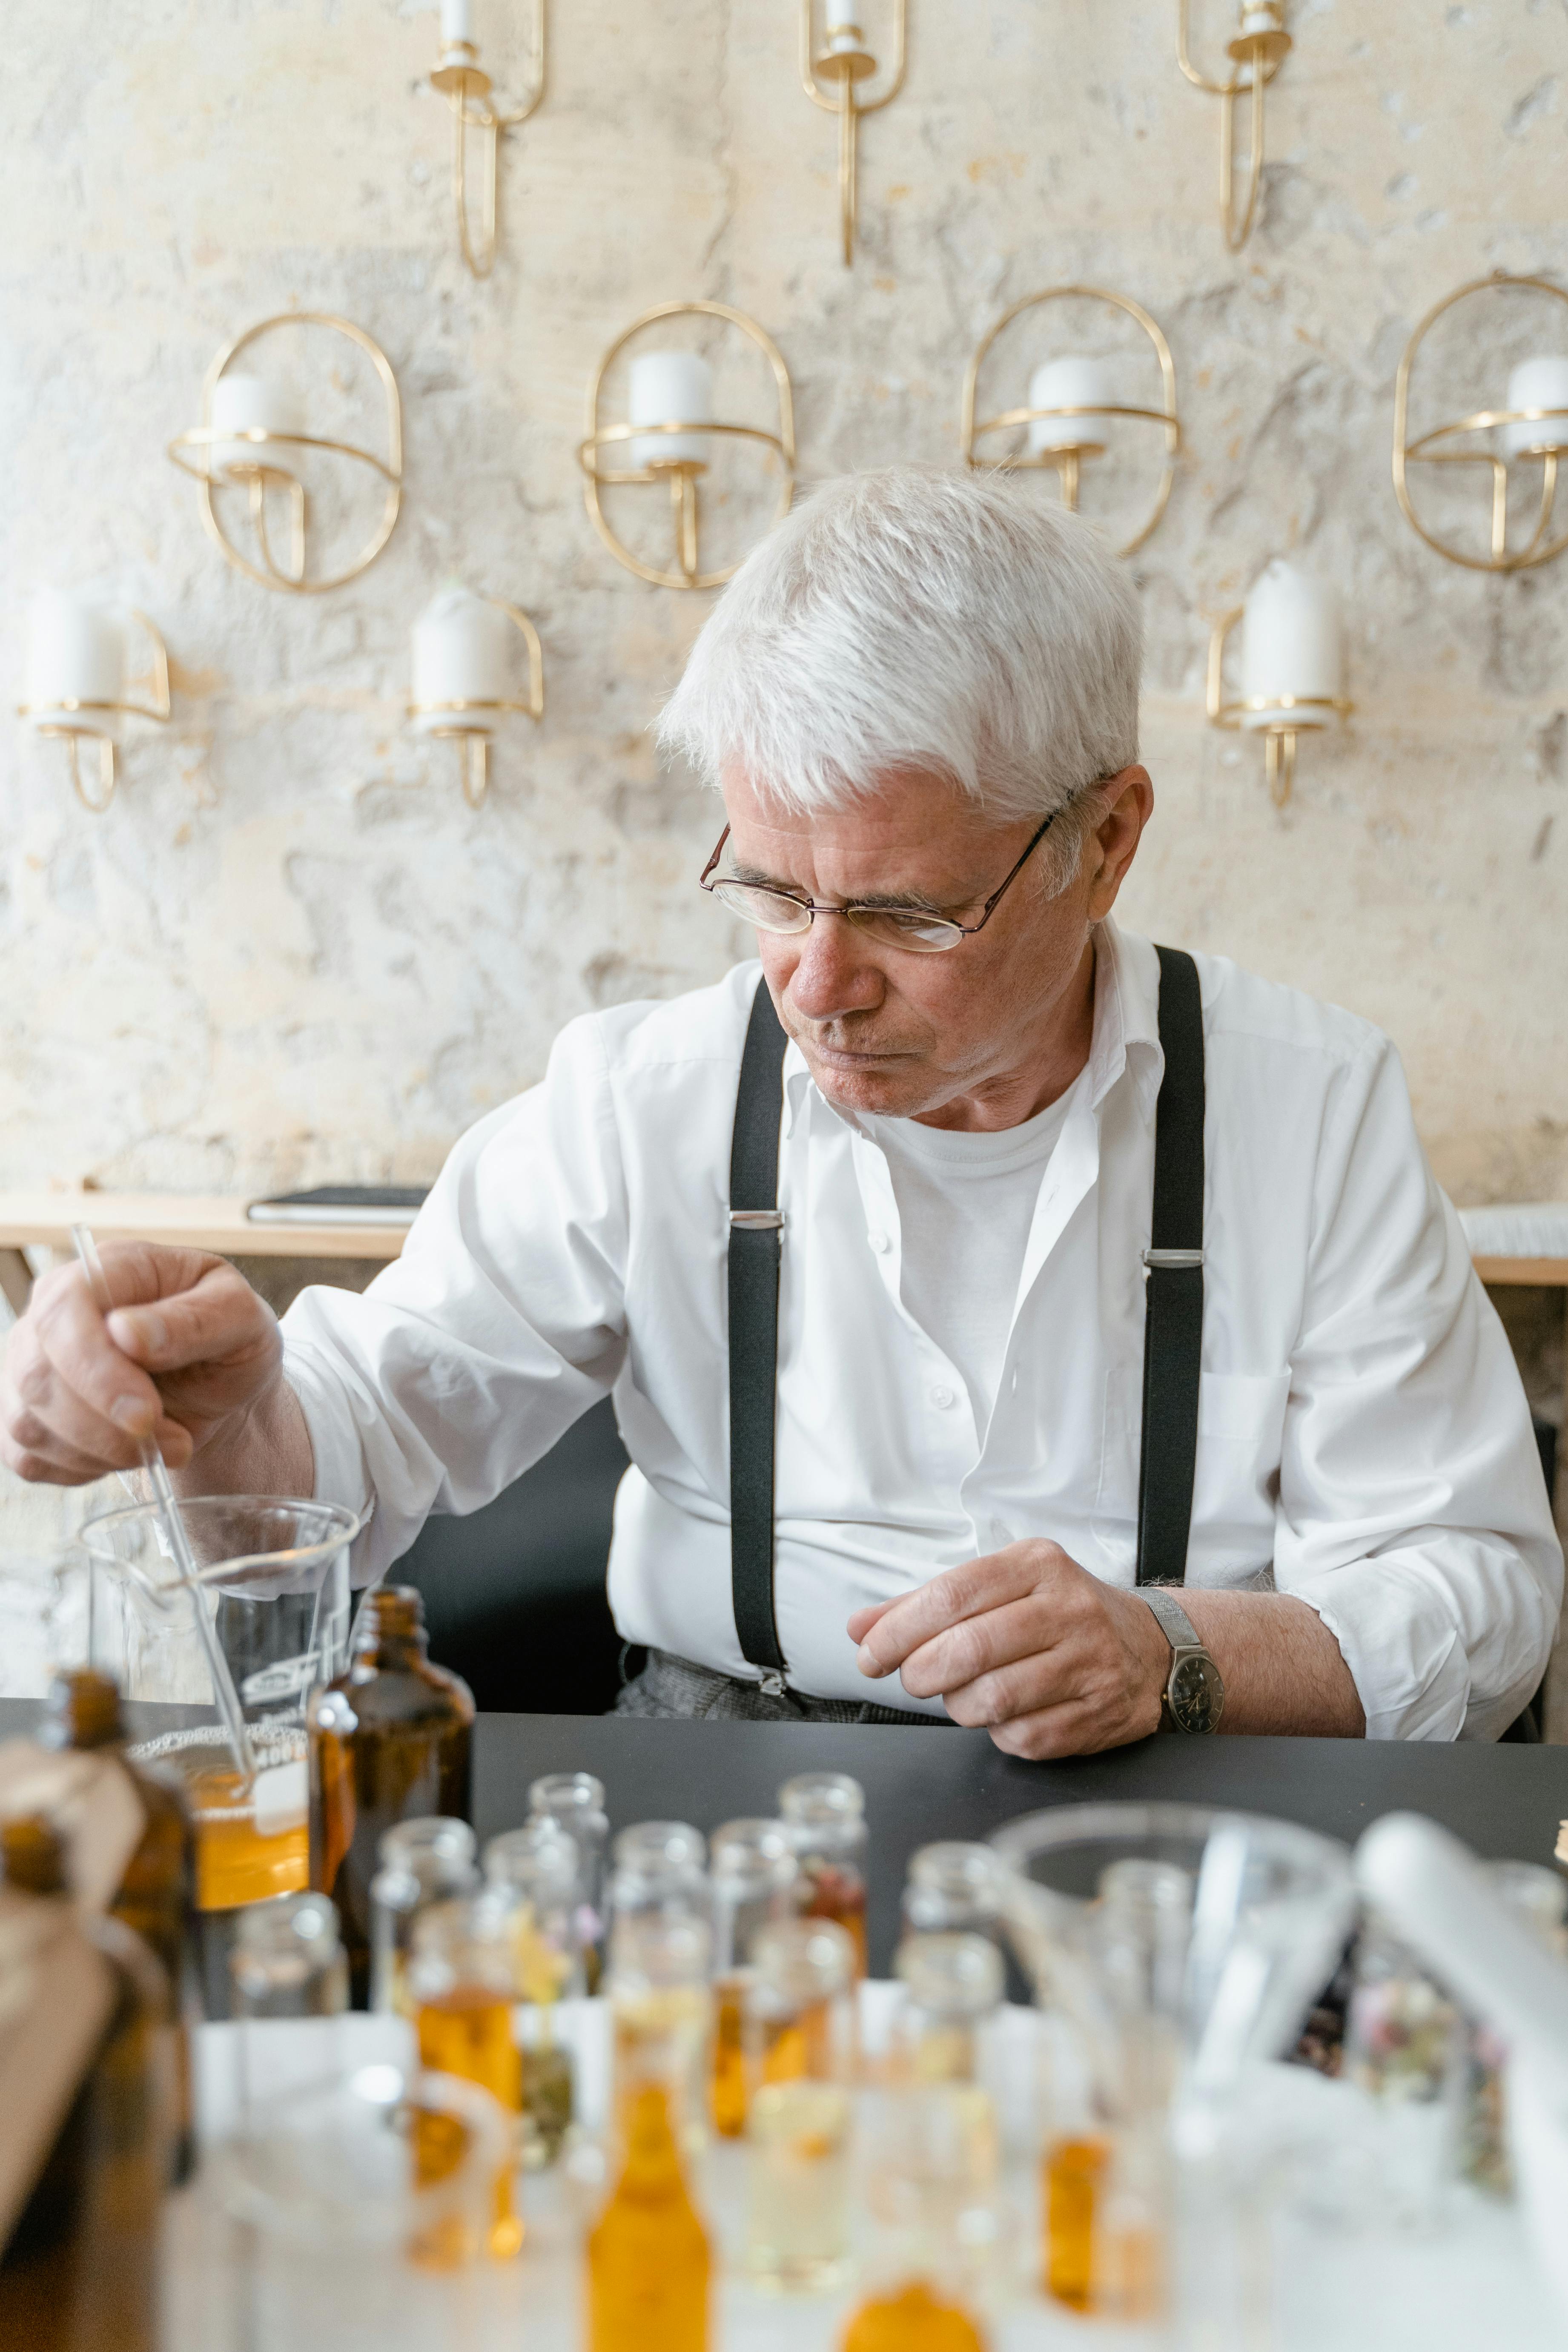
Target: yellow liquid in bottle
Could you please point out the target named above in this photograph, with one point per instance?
(838, 1891)
(1074, 2174)
(797, 2226)
(467, 2031)
(912, 2319)
(728, 2085)
(648, 2261)
(234, 1863)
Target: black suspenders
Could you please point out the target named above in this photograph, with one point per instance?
(1173, 1328)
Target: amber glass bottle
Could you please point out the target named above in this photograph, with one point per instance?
(649, 2260)
(912, 2319)
(158, 1892)
(389, 1738)
(80, 2272)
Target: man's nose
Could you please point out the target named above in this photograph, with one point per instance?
(833, 973)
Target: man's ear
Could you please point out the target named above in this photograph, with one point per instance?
(1130, 804)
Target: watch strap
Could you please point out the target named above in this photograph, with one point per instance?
(1175, 1623)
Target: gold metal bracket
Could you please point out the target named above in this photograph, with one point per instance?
(1284, 724)
(1539, 547)
(475, 737)
(682, 475)
(157, 709)
(1069, 462)
(191, 451)
(844, 71)
(1256, 57)
(468, 90)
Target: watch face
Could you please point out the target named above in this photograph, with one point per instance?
(1196, 1694)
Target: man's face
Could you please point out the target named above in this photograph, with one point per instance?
(895, 1034)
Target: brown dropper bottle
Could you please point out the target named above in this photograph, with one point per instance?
(390, 1739)
(157, 1893)
(80, 2265)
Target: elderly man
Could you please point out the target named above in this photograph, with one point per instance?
(965, 1278)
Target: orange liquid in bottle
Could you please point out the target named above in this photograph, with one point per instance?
(467, 2031)
(837, 1892)
(729, 2086)
(234, 1863)
(648, 2261)
(912, 2319)
(1074, 2173)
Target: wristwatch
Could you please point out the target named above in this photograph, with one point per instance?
(1194, 1698)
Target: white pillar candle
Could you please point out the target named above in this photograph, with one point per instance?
(243, 403)
(844, 37)
(456, 22)
(668, 388)
(1537, 383)
(1069, 383)
(76, 653)
(464, 650)
(1292, 641)
(1260, 20)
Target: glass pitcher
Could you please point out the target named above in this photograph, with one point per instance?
(273, 1583)
(1171, 1947)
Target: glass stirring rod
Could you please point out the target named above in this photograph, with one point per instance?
(157, 1469)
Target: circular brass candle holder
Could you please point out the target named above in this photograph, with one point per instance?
(61, 730)
(683, 474)
(468, 90)
(843, 71)
(472, 722)
(1256, 57)
(1429, 449)
(1290, 714)
(191, 451)
(1068, 461)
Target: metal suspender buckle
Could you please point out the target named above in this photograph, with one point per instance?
(1161, 1258)
(757, 1221)
(773, 1683)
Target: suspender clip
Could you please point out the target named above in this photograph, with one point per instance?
(773, 1683)
(1160, 1259)
(757, 1221)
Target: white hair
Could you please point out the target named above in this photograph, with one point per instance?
(910, 618)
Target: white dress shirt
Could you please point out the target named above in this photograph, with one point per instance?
(1362, 1429)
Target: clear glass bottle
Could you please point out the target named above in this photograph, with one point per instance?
(425, 1861)
(79, 2272)
(800, 2026)
(753, 1875)
(389, 1738)
(953, 1998)
(461, 1980)
(534, 1874)
(826, 1816)
(288, 1959)
(575, 1802)
(954, 1888)
(156, 1897)
(660, 1957)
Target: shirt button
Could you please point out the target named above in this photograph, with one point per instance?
(943, 1399)
(879, 1242)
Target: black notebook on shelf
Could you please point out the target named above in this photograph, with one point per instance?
(341, 1204)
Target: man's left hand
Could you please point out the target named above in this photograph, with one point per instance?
(1029, 1645)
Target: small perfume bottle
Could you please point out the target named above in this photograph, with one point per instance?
(389, 1738)
(574, 1802)
(826, 1816)
(660, 1953)
(754, 1873)
(800, 2023)
(462, 1984)
(534, 1874)
(425, 1861)
(649, 2260)
(953, 1998)
(287, 1962)
(954, 1888)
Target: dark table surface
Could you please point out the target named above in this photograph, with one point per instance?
(936, 1783)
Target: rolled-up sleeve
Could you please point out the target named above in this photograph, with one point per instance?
(1413, 1514)
(500, 1324)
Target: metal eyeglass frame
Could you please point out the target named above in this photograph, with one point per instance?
(856, 910)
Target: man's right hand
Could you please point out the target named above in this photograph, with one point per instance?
(188, 1355)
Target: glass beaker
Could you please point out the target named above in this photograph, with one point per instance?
(273, 1581)
(1170, 1945)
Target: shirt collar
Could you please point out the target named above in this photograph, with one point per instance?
(1126, 1034)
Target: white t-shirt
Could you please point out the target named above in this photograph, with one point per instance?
(966, 1202)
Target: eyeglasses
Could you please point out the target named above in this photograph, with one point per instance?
(918, 928)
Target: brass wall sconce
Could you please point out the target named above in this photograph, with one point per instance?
(1258, 52)
(1071, 401)
(1292, 667)
(468, 90)
(832, 77)
(464, 658)
(77, 684)
(251, 425)
(1532, 422)
(668, 436)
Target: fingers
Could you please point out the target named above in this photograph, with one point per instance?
(218, 1315)
(979, 1646)
(956, 1595)
(70, 1372)
(860, 1620)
